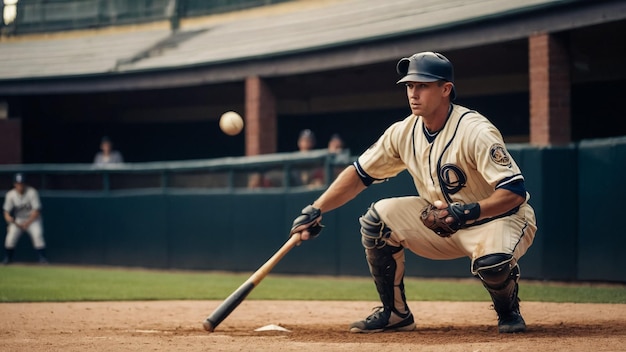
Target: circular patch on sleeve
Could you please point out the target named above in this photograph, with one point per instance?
(498, 154)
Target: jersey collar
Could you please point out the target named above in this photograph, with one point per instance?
(430, 136)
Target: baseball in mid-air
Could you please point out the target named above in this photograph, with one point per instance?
(231, 123)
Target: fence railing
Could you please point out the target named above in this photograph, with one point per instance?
(278, 171)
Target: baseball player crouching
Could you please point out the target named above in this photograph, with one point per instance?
(22, 212)
(472, 200)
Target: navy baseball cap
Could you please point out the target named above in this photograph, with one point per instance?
(426, 66)
(19, 178)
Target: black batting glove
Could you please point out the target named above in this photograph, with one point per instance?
(309, 220)
(462, 213)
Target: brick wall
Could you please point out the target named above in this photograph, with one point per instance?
(550, 112)
(260, 119)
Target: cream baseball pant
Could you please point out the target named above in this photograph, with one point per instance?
(35, 230)
(512, 234)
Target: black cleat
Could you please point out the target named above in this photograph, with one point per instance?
(511, 322)
(384, 320)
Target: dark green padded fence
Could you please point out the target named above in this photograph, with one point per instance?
(601, 191)
(551, 179)
(575, 191)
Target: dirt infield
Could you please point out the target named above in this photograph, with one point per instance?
(314, 326)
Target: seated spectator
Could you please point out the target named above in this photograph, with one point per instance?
(257, 180)
(308, 176)
(335, 144)
(306, 140)
(342, 155)
(107, 155)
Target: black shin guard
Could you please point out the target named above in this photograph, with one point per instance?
(385, 272)
(499, 275)
(506, 304)
(386, 262)
(505, 298)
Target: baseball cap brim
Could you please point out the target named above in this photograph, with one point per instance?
(418, 77)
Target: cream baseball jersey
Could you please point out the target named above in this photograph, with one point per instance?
(22, 204)
(464, 162)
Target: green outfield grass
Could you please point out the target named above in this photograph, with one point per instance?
(31, 283)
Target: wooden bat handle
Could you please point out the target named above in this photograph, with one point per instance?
(235, 298)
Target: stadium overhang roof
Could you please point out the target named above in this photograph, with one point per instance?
(341, 35)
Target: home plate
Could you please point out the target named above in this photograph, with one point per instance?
(272, 327)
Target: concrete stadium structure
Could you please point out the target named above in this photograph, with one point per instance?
(545, 71)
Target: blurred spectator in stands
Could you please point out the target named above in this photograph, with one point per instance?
(258, 180)
(338, 147)
(107, 156)
(308, 175)
(342, 155)
(22, 212)
(335, 144)
(306, 140)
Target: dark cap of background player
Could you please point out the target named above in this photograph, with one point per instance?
(307, 133)
(19, 178)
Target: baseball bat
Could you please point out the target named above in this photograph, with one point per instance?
(223, 310)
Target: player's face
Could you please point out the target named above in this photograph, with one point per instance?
(305, 144)
(335, 145)
(19, 187)
(425, 97)
(106, 147)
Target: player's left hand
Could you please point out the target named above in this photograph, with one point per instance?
(308, 223)
(460, 214)
(446, 219)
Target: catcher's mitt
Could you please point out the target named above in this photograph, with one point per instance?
(457, 214)
(434, 219)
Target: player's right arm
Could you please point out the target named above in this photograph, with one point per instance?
(8, 218)
(382, 159)
(6, 207)
(345, 187)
